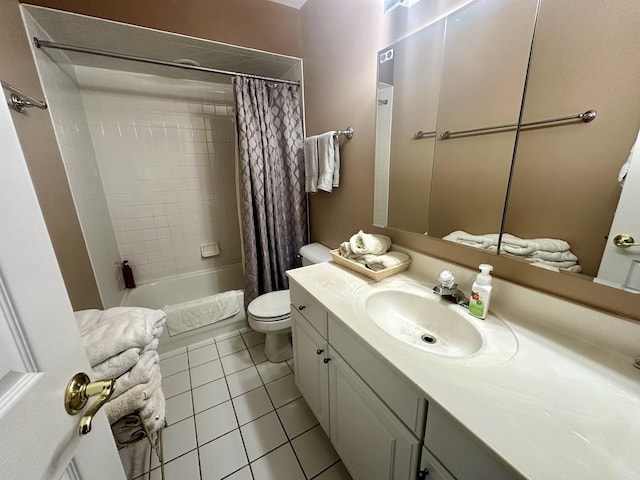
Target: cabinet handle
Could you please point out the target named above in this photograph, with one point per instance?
(326, 360)
(423, 474)
(319, 351)
(301, 307)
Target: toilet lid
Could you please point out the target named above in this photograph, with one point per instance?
(270, 305)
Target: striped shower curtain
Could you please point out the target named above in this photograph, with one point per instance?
(273, 203)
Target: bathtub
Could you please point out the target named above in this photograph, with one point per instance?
(182, 288)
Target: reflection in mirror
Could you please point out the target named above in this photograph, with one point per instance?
(565, 178)
(407, 103)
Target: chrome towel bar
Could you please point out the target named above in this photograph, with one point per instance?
(19, 100)
(585, 117)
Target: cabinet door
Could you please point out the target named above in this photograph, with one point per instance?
(311, 372)
(372, 442)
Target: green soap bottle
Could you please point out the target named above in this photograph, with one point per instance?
(481, 292)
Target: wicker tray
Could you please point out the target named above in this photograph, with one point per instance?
(358, 267)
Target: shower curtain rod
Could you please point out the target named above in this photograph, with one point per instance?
(104, 53)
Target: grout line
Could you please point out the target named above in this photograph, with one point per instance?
(329, 467)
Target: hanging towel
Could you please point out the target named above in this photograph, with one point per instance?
(625, 168)
(186, 316)
(310, 149)
(328, 161)
(110, 332)
(366, 243)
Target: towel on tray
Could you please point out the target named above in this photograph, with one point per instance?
(106, 333)
(380, 262)
(367, 243)
(141, 372)
(133, 400)
(186, 316)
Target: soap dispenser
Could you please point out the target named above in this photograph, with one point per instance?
(481, 292)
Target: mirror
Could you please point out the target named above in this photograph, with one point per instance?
(564, 178)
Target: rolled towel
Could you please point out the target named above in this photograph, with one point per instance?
(134, 399)
(141, 372)
(118, 329)
(380, 262)
(366, 243)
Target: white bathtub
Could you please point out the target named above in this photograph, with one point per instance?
(182, 288)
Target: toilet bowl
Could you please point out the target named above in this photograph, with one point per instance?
(270, 313)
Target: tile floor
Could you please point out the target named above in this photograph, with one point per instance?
(233, 415)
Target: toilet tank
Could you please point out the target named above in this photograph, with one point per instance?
(314, 253)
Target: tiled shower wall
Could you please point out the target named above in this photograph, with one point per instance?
(166, 151)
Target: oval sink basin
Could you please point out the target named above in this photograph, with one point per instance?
(410, 312)
(424, 323)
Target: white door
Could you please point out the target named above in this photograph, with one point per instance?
(40, 347)
(620, 267)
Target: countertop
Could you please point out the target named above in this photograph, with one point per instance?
(560, 408)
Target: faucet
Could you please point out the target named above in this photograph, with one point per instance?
(449, 290)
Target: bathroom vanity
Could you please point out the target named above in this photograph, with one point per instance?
(536, 398)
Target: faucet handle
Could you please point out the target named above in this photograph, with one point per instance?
(446, 278)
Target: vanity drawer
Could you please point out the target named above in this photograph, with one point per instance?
(464, 456)
(309, 308)
(408, 405)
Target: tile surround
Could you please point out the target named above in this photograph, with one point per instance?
(244, 425)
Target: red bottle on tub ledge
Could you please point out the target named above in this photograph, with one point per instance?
(127, 273)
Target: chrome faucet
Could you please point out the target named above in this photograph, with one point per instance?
(449, 290)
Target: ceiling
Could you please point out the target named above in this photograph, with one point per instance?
(94, 33)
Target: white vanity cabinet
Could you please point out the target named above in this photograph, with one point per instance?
(374, 441)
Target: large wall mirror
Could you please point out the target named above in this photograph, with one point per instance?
(485, 126)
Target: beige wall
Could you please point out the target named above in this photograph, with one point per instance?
(257, 24)
(340, 43)
(45, 164)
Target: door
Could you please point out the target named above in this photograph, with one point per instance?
(40, 347)
(311, 372)
(371, 441)
(620, 267)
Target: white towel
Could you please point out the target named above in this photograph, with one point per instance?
(134, 399)
(186, 316)
(141, 372)
(310, 149)
(485, 241)
(107, 333)
(625, 168)
(128, 430)
(367, 243)
(380, 262)
(523, 247)
(328, 161)
(345, 249)
(117, 365)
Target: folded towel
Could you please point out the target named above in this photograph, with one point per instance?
(328, 161)
(186, 316)
(134, 399)
(523, 247)
(310, 149)
(485, 241)
(380, 262)
(128, 430)
(566, 256)
(153, 413)
(117, 365)
(110, 332)
(141, 372)
(364, 243)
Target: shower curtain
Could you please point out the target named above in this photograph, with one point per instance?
(273, 202)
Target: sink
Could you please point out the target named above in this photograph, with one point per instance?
(411, 313)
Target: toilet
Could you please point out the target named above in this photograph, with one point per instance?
(270, 313)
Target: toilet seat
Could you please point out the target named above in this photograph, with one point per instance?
(271, 307)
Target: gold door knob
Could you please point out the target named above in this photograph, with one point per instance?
(77, 394)
(624, 241)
